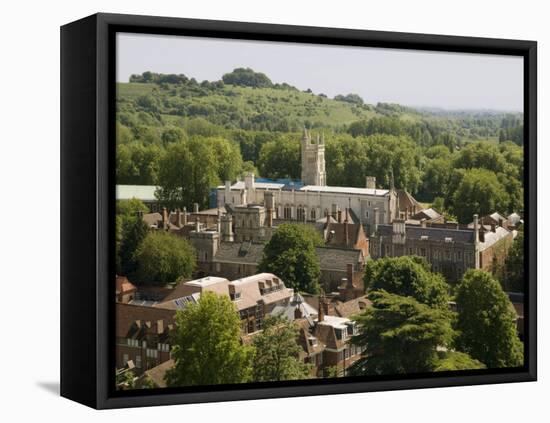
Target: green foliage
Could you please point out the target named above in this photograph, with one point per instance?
(137, 164)
(187, 171)
(162, 258)
(131, 231)
(454, 360)
(486, 321)
(514, 279)
(277, 352)
(350, 98)
(401, 335)
(409, 276)
(130, 208)
(290, 254)
(246, 77)
(280, 159)
(207, 349)
(479, 191)
(126, 380)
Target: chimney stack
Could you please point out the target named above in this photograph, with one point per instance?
(493, 227)
(370, 182)
(423, 222)
(195, 207)
(339, 214)
(184, 216)
(178, 217)
(321, 311)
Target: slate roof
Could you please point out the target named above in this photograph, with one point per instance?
(346, 190)
(130, 317)
(235, 252)
(433, 234)
(337, 258)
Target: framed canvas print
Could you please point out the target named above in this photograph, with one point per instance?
(256, 211)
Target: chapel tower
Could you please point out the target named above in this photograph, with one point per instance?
(313, 160)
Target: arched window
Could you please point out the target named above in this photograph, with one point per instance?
(300, 213)
(313, 214)
(287, 212)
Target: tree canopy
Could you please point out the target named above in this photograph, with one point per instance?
(207, 348)
(162, 258)
(486, 321)
(246, 77)
(277, 352)
(409, 276)
(130, 232)
(400, 335)
(290, 254)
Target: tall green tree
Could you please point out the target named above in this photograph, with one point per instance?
(486, 321)
(479, 192)
(277, 352)
(161, 258)
(290, 254)
(207, 348)
(409, 276)
(133, 231)
(187, 171)
(400, 335)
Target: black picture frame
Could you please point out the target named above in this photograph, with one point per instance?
(88, 201)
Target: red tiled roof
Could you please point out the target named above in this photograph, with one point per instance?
(123, 285)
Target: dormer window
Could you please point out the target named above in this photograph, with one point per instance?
(235, 296)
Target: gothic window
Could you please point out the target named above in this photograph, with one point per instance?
(287, 213)
(312, 214)
(300, 214)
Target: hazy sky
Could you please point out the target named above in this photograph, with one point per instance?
(408, 77)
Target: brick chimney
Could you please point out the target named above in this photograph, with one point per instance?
(321, 310)
(493, 227)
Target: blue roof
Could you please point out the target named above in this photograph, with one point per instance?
(289, 184)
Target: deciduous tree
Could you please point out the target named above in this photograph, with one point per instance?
(290, 254)
(486, 321)
(162, 258)
(277, 352)
(207, 349)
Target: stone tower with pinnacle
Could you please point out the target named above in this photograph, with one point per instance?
(313, 160)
